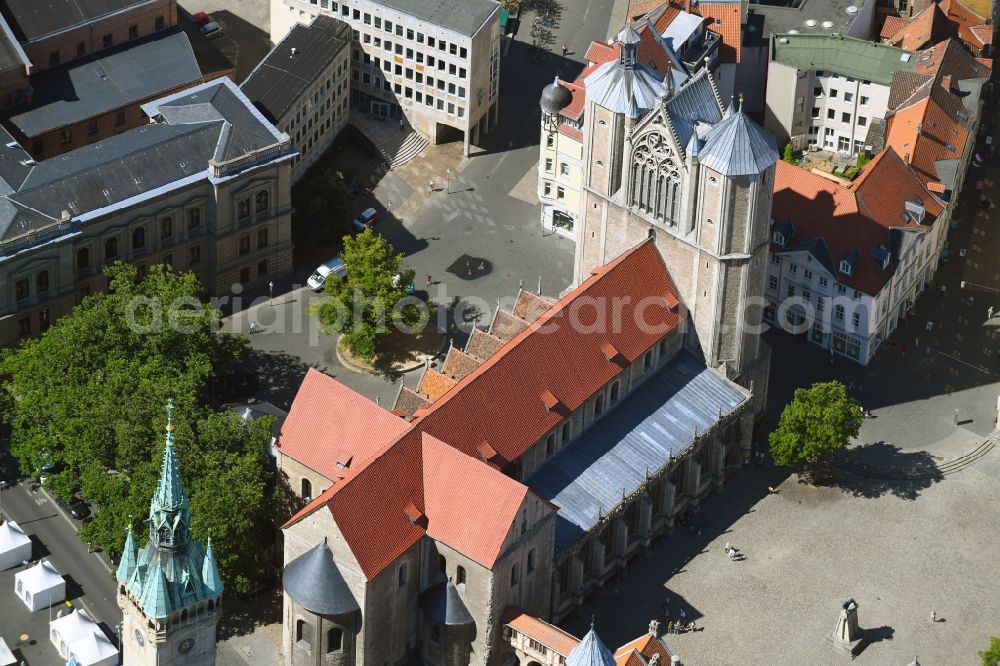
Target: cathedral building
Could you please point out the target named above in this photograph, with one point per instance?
(665, 158)
(169, 591)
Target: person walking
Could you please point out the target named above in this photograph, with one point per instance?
(430, 280)
(565, 50)
(933, 616)
(430, 187)
(401, 129)
(989, 313)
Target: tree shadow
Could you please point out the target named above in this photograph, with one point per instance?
(243, 614)
(280, 375)
(882, 468)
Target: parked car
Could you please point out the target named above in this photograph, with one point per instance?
(366, 220)
(200, 19)
(76, 507)
(318, 278)
(211, 30)
(7, 483)
(48, 469)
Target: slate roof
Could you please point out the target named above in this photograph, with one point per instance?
(444, 605)
(12, 56)
(408, 402)
(106, 81)
(614, 457)
(695, 102)
(737, 146)
(313, 580)
(505, 325)
(316, 434)
(591, 651)
(482, 344)
(846, 56)
(833, 221)
(32, 20)
(465, 17)
(629, 90)
(278, 82)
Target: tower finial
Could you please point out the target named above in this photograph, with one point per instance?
(170, 414)
(593, 621)
(741, 102)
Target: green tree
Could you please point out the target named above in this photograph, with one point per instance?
(326, 205)
(820, 420)
(789, 155)
(861, 160)
(89, 397)
(373, 296)
(991, 656)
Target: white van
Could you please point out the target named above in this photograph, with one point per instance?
(335, 266)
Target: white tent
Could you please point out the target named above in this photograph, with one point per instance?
(40, 586)
(6, 656)
(69, 628)
(94, 650)
(15, 545)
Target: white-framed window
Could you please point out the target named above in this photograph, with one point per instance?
(773, 282)
(845, 267)
(791, 290)
(793, 268)
(563, 169)
(838, 313)
(856, 318)
(823, 281)
(807, 274)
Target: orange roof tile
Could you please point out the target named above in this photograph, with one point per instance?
(571, 132)
(531, 306)
(727, 20)
(316, 435)
(645, 646)
(458, 364)
(983, 33)
(925, 29)
(891, 26)
(409, 402)
(963, 19)
(470, 506)
(433, 384)
(482, 344)
(547, 634)
(855, 218)
(506, 325)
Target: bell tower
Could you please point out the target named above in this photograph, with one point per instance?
(169, 591)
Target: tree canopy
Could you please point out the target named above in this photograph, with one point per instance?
(89, 396)
(991, 655)
(372, 298)
(818, 421)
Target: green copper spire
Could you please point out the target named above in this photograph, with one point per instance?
(129, 557)
(169, 516)
(155, 599)
(210, 571)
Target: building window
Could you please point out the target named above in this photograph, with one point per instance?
(550, 445)
(531, 560)
(548, 165)
(823, 281)
(564, 169)
(24, 327)
(82, 258)
(159, 23)
(862, 121)
(647, 361)
(460, 576)
(193, 218)
(614, 392)
(560, 192)
(307, 489)
(550, 140)
(599, 406)
(856, 318)
(133, 32)
(261, 268)
(808, 275)
(166, 228)
(108, 40)
(54, 58)
(815, 112)
(261, 238)
(334, 637)
(791, 290)
(139, 239)
(830, 115)
(245, 244)
(793, 268)
(303, 634)
(772, 282)
(845, 117)
(42, 282)
(401, 574)
(119, 119)
(92, 128)
(260, 201)
(848, 97)
(81, 49)
(567, 430)
(838, 312)
(864, 100)
(817, 91)
(43, 320)
(22, 288)
(194, 255)
(243, 208)
(515, 574)
(66, 136)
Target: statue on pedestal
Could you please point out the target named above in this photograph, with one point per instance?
(847, 636)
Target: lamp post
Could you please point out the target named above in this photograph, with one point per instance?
(270, 290)
(448, 172)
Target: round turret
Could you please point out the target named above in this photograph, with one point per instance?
(555, 98)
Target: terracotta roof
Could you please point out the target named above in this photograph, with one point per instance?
(531, 306)
(925, 29)
(652, 52)
(548, 635)
(639, 8)
(457, 364)
(727, 20)
(963, 19)
(983, 33)
(506, 325)
(433, 384)
(409, 401)
(470, 506)
(665, 14)
(577, 98)
(599, 53)
(903, 85)
(985, 62)
(851, 219)
(511, 381)
(482, 344)
(645, 647)
(950, 58)
(571, 132)
(923, 134)
(316, 435)
(891, 26)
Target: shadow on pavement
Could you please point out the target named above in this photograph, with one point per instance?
(881, 468)
(280, 375)
(243, 614)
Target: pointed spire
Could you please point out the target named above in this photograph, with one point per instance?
(155, 600)
(629, 40)
(590, 651)
(210, 571)
(169, 493)
(129, 557)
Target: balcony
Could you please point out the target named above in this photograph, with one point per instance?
(707, 47)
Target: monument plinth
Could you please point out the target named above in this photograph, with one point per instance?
(847, 637)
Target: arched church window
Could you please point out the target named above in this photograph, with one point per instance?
(334, 640)
(307, 489)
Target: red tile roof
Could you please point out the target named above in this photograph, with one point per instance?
(982, 33)
(458, 364)
(891, 26)
(577, 98)
(547, 634)
(645, 646)
(925, 29)
(963, 19)
(482, 344)
(370, 504)
(855, 218)
(433, 384)
(469, 506)
(316, 434)
(505, 325)
(727, 20)
(530, 306)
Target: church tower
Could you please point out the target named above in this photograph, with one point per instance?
(662, 158)
(169, 591)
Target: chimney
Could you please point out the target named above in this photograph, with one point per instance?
(920, 129)
(946, 82)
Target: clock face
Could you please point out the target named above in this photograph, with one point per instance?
(138, 638)
(186, 645)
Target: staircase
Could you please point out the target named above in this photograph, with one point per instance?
(396, 148)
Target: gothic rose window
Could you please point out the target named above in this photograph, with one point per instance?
(655, 185)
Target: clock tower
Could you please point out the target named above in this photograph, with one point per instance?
(169, 591)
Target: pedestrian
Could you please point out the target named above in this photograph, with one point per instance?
(254, 327)
(670, 627)
(989, 313)
(565, 50)
(683, 613)
(430, 187)
(933, 616)
(430, 280)
(401, 126)
(90, 548)
(943, 288)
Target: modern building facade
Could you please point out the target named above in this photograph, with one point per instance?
(435, 67)
(674, 164)
(170, 591)
(303, 86)
(828, 92)
(204, 187)
(477, 520)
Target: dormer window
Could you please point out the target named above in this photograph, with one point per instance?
(779, 238)
(845, 267)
